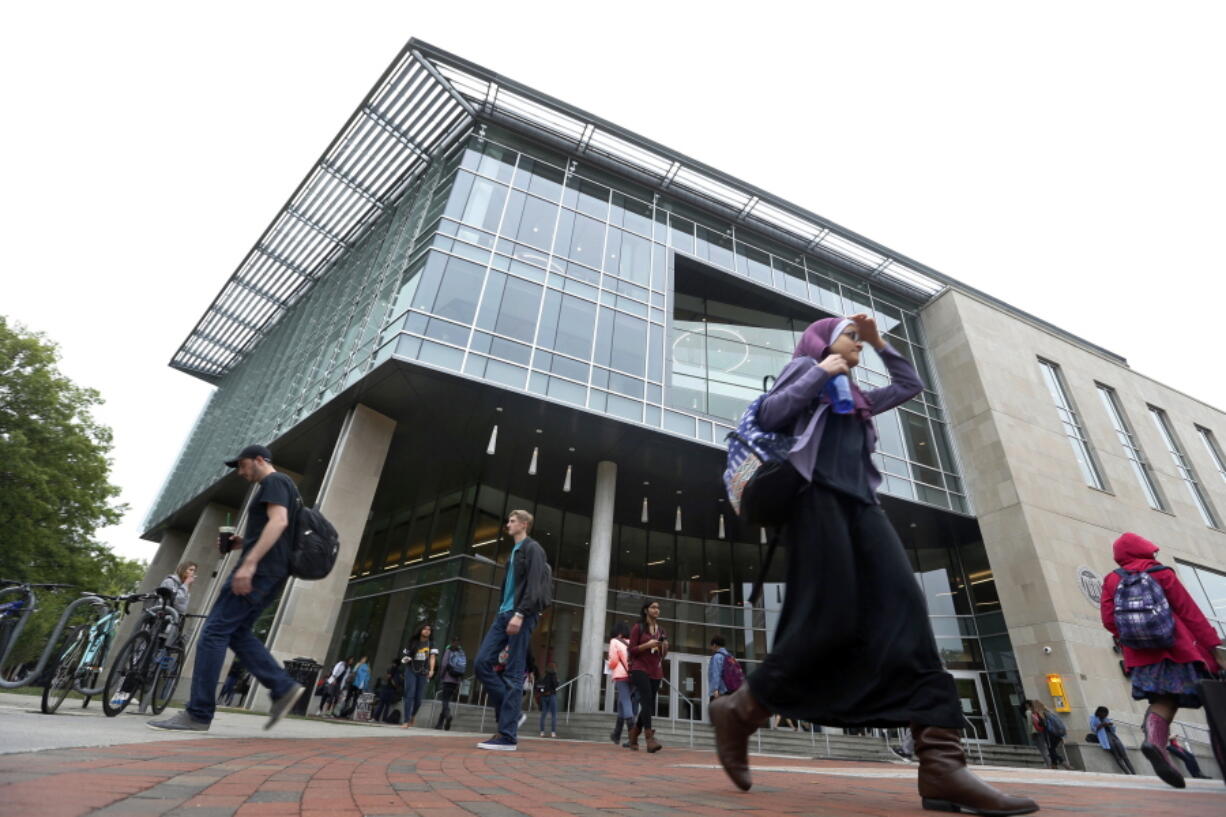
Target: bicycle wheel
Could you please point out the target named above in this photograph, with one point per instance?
(59, 678)
(165, 679)
(125, 678)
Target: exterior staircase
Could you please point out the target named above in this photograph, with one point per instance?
(682, 733)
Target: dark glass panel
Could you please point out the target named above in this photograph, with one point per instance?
(632, 214)
(587, 197)
(518, 310)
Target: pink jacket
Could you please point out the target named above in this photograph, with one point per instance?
(1195, 637)
(619, 659)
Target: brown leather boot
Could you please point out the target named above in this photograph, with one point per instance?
(633, 737)
(736, 717)
(945, 784)
(653, 745)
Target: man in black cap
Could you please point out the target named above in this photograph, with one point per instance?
(254, 583)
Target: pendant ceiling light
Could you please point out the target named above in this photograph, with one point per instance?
(489, 449)
(532, 464)
(721, 526)
(643, 518)
(566, 482)
(677, 524)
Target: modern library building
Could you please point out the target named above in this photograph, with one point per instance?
(481, 298)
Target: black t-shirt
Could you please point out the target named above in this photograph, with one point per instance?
(842, 463)
(275, 489)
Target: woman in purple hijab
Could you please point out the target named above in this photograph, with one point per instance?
(854, 646)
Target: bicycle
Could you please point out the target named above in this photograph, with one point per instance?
(146, 663)
(15, 612)
(80, 663)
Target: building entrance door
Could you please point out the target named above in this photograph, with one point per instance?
(974, 705)
(687, 692)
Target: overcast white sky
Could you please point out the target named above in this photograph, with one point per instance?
(1064, 157)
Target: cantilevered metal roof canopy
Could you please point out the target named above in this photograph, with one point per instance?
(421, 103)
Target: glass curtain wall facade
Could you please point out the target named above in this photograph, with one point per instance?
(512, 265)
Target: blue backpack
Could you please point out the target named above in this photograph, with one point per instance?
(1142, 612)
(760, 481)
(457, 663)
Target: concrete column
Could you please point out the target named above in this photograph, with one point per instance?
(592, 641)
(308, 611)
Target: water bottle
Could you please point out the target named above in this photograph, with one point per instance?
(838, 389)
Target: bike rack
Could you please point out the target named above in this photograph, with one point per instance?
(51, 642)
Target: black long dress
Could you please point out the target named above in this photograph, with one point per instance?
(854, 646)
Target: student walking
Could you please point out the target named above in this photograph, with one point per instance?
(358, 684)
(1168, 644)
(854, 645)
(455, 662)
(256, 581)
(619, 668)
(526, 591)
(418, 659)
(385, 695)
(1104, 729)
(547, 690)
(648, 646)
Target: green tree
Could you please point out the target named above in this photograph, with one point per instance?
(55, 491)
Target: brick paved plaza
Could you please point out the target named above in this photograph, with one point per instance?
(424, 773)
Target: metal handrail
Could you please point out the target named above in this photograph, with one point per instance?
(664, 682)
(570, 692)
(978, 740)
(1184, 726)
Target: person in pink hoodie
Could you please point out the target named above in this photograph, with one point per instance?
(1165, 676)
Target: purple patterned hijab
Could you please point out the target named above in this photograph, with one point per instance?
(815, 344)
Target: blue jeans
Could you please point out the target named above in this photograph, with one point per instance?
(229, 625)
(506, 691)
(625, 699)
(549, 706)
(414, 691)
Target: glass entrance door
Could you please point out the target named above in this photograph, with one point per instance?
(687, 686)
(974, 705)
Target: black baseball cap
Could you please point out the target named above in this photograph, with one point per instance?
(250, 452)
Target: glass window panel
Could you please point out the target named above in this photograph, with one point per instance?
(1072, 425)
(629, 349)
(587, 197)
(629, 256)
(1184, 467)
(506, 374)
(451, 292)
(530, 220)
(628, 386)
(681, 233)
(574, 330)
(655, 352)
(567, 391)
(447, 332)
(569, 368)
(585, 239)
(518, 310)
(1132, 449)
(624, 407)
(716, 247)
(510, 350)
(489, 159)
(440, 355)
(679, 423)
(631, 214)
(754, 263)
(1215, 451)
(889, 435)
(483, 207)
(919, 439)
(539, 178)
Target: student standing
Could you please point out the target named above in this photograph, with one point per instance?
(455, 662)
(525, 594)
(1166, 676)
(547, 689)
(648, 646)
(418, 659)
(854, 645)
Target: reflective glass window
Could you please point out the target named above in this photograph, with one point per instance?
(1184, 466)
(1132, 448)
(540, 178)
(490, 159)
(1071, 423)
(631, 214)
(587, 197)
(530, 220)
(580, 238)
(449, 287)
(566, 324)
(629, 256)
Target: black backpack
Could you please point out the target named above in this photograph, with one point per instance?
(314, 545)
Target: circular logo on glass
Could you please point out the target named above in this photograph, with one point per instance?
(1091, 585)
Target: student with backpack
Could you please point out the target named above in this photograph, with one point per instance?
(1053, 731)
(455, 664)
(724, 673)
(1168, 643)
(854, 645)
(619, 671)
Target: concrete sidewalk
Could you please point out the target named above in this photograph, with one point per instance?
(118, 767)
